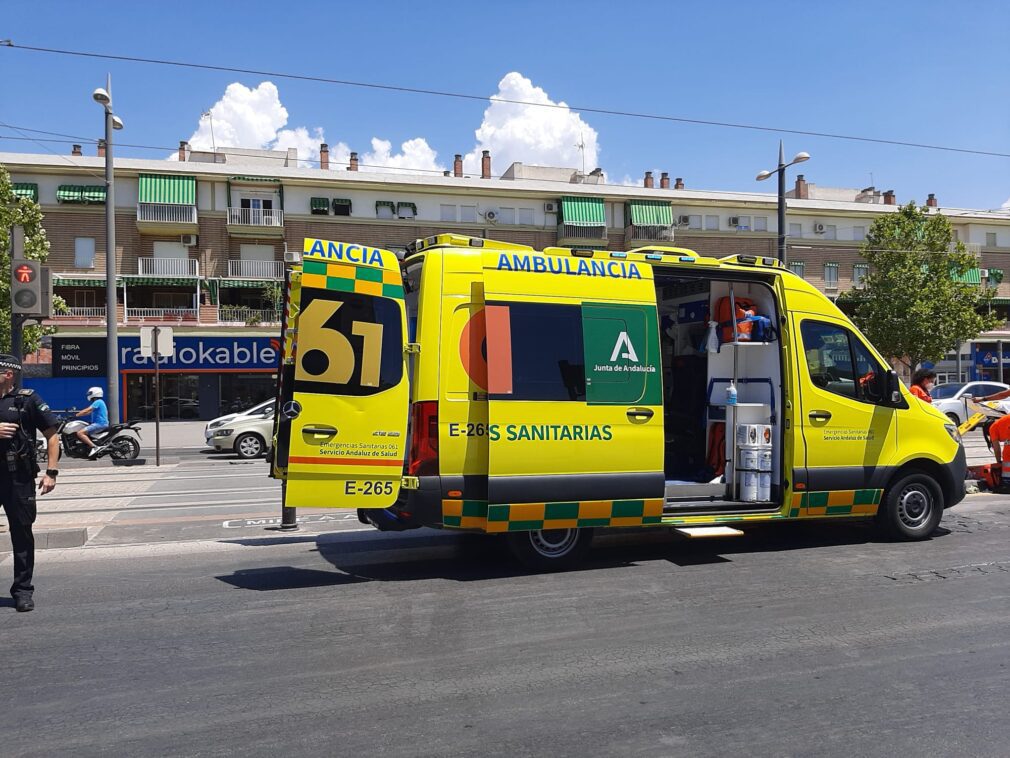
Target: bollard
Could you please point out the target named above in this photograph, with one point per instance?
(289, 516)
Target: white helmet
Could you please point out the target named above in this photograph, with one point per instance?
(94, 392)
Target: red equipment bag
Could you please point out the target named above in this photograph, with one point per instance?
(716, 456)
(745, 310)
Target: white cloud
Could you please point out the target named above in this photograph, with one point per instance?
(414, 154)
(529, 133)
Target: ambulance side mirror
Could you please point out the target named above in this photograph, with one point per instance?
(894, 390)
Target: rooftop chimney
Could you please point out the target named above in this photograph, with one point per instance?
(485, 164)
(678, 183)
(931, 201)
(447, 172)
(664, 181)
(101, 148)
(457, 165)
(801, 193)
(183, 149)
(889, 197)
(353, 165)
(76, 150)
(324, 157)
(647, 182)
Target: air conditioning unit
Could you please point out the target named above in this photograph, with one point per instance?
(734, 221)
(683, 220)
(550, 207)
(189, 240)
(984, 273)
(491, 215)
(292, 256)
(818, 228)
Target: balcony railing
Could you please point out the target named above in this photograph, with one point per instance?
(167, 214)
(255, 217)
(239, 314)
(576, 231)
(256, 269)
(168, 267)
(651, 233)
(85, 312)
(162, 314)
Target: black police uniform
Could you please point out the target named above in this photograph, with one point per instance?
(18, 469)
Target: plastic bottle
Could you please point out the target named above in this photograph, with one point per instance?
(712, 340)
(731, 394)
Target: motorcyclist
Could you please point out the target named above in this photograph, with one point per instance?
(99, 413)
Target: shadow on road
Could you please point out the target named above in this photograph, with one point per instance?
(285, 578)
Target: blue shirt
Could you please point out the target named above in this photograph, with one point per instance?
(99, 412)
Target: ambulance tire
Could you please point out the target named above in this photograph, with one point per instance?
(549, 549)
(912, 507)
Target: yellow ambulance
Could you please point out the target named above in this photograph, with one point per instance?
(486, 386)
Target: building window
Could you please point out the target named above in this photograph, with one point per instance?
(468, 213)
(990, 239)
(743, 223)
(447, 213)
(256, 252)
(859, 233)
(525, 217)
(507, 216)
(795, 230)
(957, 235)
(711, 223)
(798, 268)
(406, 210)
(319, 206)
(830, 232)
(84, 298)
(830, 276)
(760, 223)
(341, 207)
(694, 222)
(84, 252)
(385, 209)
(167, 249)
(859, 272)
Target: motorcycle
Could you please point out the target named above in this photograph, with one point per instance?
(117, 442)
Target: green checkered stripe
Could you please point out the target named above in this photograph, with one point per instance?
(520, 517)
(343, 283)
(835, 503)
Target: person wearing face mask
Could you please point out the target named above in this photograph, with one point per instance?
(922, 384)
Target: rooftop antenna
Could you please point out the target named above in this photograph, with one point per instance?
(871, 180)
(582, 147)
(209, 115)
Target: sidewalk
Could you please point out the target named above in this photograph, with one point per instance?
(175, 435)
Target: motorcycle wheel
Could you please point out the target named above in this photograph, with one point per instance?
(125, 449)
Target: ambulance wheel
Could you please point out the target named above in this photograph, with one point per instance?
(912, 507)
(249, 446)
(549, 549)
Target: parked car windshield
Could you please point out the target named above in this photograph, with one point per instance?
(946, 391)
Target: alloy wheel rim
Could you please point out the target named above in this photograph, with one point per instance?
(249, 446)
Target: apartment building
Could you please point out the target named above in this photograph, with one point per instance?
(200, 245)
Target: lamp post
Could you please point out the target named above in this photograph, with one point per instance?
(781, 171)
(112, 123)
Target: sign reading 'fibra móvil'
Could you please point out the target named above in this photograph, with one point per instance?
(205, 353)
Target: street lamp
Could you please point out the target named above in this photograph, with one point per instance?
(103, 96)
(781, 171)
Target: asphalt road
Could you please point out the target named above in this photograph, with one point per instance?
(796, 640)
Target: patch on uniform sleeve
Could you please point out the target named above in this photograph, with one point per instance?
(44, 407)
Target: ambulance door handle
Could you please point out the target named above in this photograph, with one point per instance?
(819, 416)
(639, 414)
(327, 431)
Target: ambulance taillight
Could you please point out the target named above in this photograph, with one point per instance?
(424, 439)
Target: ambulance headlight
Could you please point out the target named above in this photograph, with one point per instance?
(953, 432)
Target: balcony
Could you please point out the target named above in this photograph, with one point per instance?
(163, 315)
(255, 270)
(576, 234)
(636, 233)
(156, 218)
(255, 222)
(240, 314)
(176, 267)
(91, 312)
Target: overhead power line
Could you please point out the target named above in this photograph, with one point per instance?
(485, 98)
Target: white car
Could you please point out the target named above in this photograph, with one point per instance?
(257, 410)
(951, 398)
(248, 436)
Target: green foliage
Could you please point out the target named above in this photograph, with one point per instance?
(15, 211)
(274, 294)
(913, 308)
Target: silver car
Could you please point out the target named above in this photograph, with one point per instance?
(951, 398)
(257, 410)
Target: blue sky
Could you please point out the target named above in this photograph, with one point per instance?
(918, 72)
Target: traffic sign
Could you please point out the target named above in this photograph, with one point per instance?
(157, 339)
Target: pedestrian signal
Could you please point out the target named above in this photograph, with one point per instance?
(26, 287)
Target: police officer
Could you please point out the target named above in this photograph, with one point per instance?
(22, 412)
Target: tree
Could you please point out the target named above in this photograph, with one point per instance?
(24, 212)
(916, 305)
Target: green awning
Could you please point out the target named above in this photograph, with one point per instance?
(406, 205)
(317, 204)
(80, 193)
(267, 179)
(158, 281)
(650, 213)
(995, 276)
(385, 204)
(26, 190)
(1000, 301)
(166, 189)
(341, 201)
(79, 281)
(248, 283)
(583, 211)
(971, 276)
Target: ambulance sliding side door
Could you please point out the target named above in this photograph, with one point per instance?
(575, 405)
(348, 402)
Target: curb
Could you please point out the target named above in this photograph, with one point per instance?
(50, 539)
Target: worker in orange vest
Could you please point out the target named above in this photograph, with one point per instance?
(999, 436)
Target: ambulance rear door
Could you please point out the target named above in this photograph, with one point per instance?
(349, 398)
(575, 404)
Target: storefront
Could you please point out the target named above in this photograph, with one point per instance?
(207, 376)
(990, 361)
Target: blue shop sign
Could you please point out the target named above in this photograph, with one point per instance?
(206, 353)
